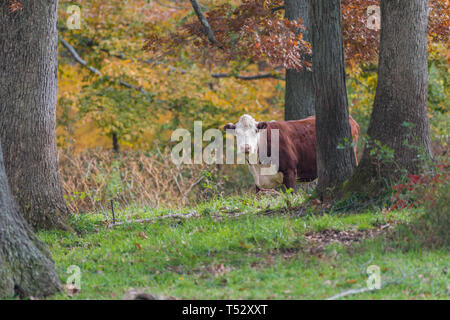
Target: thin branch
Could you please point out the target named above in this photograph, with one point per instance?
(252, 77)
(206, 27)
(192, 186)
(182, 71)
(78, 59)
(169, 6)
(121, 56)
(277, 9)
(362, 84)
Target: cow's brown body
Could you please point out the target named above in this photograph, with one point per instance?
(297, 148)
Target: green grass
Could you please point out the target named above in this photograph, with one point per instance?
(261, 254)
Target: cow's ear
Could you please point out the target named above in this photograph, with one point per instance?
(229, 126)
(261, 125)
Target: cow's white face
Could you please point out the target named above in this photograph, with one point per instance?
(246, 134)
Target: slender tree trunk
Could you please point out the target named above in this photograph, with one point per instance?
(334, 164)
(28, 88)
(299, 96)
(399, 117)
(26, 268)
(115, 142)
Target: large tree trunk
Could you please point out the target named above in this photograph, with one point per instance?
(299, 96)
(28, 88)
(401, 97)
(26, 268)
(334, 164)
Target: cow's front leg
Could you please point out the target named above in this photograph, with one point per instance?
(289, 180)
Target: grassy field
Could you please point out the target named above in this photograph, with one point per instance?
(247, 247)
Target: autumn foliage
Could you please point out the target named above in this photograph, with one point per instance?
(421, 189)
(15, 5)
(251, 31)
(255, 30)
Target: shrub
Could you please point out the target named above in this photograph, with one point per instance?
(431, 194)
(420, 190)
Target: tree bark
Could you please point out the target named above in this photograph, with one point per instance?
(26, 268)
(334, 164)
(401, 97)
(28, 88)
(299, 95)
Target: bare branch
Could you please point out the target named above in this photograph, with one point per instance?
(125, 84)
(277, 9)
(206, 27)
(77, 58)
(192, 186)
(252, 77)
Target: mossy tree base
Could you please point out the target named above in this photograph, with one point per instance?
(26, 268)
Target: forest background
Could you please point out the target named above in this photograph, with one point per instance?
(148, 70)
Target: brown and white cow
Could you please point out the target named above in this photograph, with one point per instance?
(296, 148)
